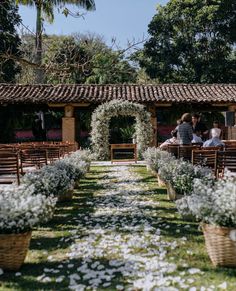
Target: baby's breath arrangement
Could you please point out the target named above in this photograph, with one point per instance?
(212, 202)
(50, 180)
(21, 209)
(155, 157)
(81, 161)
(181, 174)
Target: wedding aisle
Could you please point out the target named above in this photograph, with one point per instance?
(119, 233)
(119, 244)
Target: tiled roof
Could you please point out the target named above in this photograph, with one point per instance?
(162, 93)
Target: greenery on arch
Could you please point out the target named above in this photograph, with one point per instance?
(100, 125)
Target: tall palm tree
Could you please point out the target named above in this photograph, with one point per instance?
(45, 7)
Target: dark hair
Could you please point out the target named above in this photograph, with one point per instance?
(174, 133)
(216, 121)
(196, 115)
(186, 117)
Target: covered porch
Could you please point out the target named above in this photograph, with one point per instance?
(158, 99)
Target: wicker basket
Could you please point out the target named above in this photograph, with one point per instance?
(161, 183)
(220, 246)
(171, 193)
(76, 185)
(13, 250)
(66, 196)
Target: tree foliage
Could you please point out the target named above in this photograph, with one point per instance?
(191, 41)
(9, 41)
(45, 11)
(80, 59)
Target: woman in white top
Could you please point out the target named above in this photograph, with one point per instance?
(169, 141)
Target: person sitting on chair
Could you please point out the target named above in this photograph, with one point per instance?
(169, 141)
(197, 138)
(215, 140)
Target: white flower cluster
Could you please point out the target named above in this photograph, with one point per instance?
(81, 161)
(154, 157)
(20, 210)
(56, 178)
(212, 202)
(100, 125)
(50, 180)
(180, 174)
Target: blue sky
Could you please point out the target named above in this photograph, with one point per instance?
(123, 20)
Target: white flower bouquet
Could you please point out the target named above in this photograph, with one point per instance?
(81, 161)
(212, 202)
(155, 157)
(21, 209)
(50, 180)
(181, 174)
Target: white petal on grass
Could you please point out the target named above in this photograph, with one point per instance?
(120, 231)
(194, 271)
(18, 274)
(223, 286)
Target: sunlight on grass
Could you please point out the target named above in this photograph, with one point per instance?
(51, 243)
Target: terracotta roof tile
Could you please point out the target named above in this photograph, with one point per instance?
(68, 93)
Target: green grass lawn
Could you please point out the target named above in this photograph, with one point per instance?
(51, 243)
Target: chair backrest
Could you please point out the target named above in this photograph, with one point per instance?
(173, 149)
(33, 158)
(225, 159)
(206, 158)
(185, 151)
(212, 148)
(9, 167)
(53, 153)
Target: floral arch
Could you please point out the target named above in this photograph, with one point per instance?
(100, 125)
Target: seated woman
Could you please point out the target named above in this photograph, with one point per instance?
(197, 138)
(169, 141)
(215, 140)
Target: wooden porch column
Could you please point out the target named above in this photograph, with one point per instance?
(152, 110)
(231, 130)
(68, 124)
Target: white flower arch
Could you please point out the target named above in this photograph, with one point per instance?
(100, 125)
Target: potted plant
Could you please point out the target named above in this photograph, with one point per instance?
(214, 204)
(20, 211)
(180, 174)
(55, 179)
(155, 158)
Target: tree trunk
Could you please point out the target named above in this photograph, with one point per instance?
(39, 75)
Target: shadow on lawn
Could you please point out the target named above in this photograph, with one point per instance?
(31, 273)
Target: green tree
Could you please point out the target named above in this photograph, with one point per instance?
(9, 41)
(45, 8)
(191, 41)
(81, 59)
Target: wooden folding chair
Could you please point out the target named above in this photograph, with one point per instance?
(205, 158)
(9, 167)
(35, 158)
(185, 151)
(173, 149)
(225, 159)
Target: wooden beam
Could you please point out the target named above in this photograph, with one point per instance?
(72, 104)
(163, 104)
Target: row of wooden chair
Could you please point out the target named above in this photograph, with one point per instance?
(217, 160)
(15, 161)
